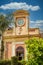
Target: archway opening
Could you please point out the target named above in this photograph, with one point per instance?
(20, 53)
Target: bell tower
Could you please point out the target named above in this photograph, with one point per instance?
(21, 18)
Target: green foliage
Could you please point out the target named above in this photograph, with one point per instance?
(4, 23)
(35, 51)
(5, 62)
(22, 62)
(14, 60)
(2, 49)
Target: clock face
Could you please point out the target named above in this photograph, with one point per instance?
(20, 22)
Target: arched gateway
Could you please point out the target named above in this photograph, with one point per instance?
(20, 52)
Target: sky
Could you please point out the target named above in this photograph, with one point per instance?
(34, 7)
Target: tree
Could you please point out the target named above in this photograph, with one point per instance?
(35, 51)
(4, 23)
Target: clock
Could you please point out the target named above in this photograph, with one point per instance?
(20, 22)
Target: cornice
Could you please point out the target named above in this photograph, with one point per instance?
(20, 36)
(21, 12)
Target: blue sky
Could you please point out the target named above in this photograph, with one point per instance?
(34, 7)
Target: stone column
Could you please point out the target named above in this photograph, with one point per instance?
(13, 48)
(25, 53)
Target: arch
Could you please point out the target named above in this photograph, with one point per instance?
(20, 52)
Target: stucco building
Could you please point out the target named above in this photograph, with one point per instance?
(14, 44)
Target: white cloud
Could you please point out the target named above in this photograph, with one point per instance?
(37, 24)
(35, 8)
(16, 5)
